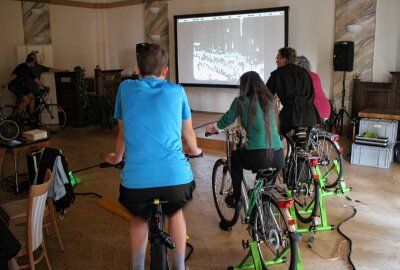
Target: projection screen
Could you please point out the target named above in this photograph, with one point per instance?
(214, 49)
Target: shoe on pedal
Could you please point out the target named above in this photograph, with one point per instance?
(232, 202)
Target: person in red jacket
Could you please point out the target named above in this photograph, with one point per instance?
(320, 100)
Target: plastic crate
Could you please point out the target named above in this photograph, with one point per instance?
(381, 127)
(372, 156)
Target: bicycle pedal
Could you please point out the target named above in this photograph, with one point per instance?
(245, 220)
(310, 241)
(245, 244)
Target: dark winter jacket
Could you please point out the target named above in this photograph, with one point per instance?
(294, 87)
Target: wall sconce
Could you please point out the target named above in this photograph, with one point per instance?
(39, 39)
(154, 10)
(155, 37)
(354, 28)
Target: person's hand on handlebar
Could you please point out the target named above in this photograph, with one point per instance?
(112, 158)
(210, 129)
(193, 154)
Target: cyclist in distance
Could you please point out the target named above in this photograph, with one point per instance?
(24, 85)
(38, 69)
(153, 118)
(257, 113)
(294, 88)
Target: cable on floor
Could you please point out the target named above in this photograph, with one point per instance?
(191, 248)
(88, 193)
(345, 236)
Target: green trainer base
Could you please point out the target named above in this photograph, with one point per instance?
(253, 261)
(340, 189)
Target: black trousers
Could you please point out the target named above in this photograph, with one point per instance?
(9, 245)
(254, 160)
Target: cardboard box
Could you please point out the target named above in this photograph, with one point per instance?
(34, 135)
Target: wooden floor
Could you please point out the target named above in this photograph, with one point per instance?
(94, 238)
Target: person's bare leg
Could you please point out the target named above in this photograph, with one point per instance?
(138, 234)
(32, 105)
(177, 230)
(12, 264)
(22, 105)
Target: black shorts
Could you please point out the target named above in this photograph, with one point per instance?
(138, 201)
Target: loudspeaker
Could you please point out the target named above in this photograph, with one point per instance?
(139, 46)
(343, 56)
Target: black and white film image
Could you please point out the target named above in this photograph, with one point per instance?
(219, 50)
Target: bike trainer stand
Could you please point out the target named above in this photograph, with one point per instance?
(321, 225)
(256, 264)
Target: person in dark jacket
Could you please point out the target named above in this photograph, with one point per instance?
(294, 88)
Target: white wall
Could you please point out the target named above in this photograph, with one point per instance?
(311, 31)
(90, 37)
(125, 29)
(74, 34)
(387, 40)
(12, 35)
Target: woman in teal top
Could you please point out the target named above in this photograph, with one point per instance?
(255, 108)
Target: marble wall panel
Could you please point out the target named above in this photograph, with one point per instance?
(36, 23)
(363, 13)
(156, 23)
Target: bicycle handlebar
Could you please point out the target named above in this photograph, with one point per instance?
(208, 134)
(194, 156)
(119, 165)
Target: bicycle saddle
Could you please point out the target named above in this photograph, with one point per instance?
(300, 134)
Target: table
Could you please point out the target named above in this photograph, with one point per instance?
(380, 114)
(23, 148)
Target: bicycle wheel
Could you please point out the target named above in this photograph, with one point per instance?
(305, 190)
(269, 227)
(223, 193)
(331, 161)
(159, 258)
(52, 118)
(9, 130)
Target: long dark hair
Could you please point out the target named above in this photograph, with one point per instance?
(253, 87)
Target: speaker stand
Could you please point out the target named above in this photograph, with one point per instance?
(339, 117)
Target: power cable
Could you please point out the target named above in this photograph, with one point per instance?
(348, 238)
(204, 125)
(345, 236)
(88, 193)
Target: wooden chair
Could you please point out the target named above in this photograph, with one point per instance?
(31, 237)
(15, 213)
